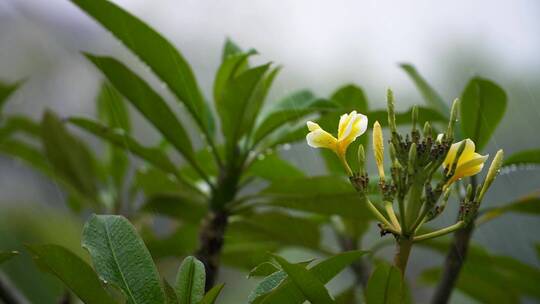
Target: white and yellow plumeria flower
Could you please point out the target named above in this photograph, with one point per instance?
(350, 127)
(468, 164)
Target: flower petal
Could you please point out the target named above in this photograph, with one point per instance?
(452, 152)
(313, 126)
(357, 126)
(319, 138)
(344, 122)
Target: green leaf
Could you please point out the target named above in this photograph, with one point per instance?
(121, 258)
(27, 153)
(119, 138)
(177, 206)
(289, 109)
(264, 269)
(211, 296)
(523, 158)
(190, 281)
(310, 286)
(172, 298)
(347, 296)
(5, 91)
(385, 286)
(273, 168)
(156, 51)
(147, 101)
(267, 285)
(6, 255)
(69, 156)
(239, 102)
(152, 181)
(482, 107)
(405, 118)
(75, 273)
(325, 271)
(275, 226)
(15, 123)
(526, 205)
(432, 98)
(112, 111)
(230, 49)
(111, 108)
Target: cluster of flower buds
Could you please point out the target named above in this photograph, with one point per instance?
(423, 169)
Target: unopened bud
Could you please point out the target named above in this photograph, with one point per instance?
(361, 158)
(412, 158)
(427, 129)
(378, 148)
(453, 119)
(493, 171)
(414, 116)
(391, 111)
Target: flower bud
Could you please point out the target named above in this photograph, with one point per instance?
(493, 171)
(412, 158)
(378, 148)
(453, 119)
(427, 129)
(414, 114)
(361, 159)
(391, 111)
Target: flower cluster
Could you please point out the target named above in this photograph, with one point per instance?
(423, 169)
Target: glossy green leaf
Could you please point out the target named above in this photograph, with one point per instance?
(69, 156)
(190, 281)
(121, 258)
(273, 168)
(211, 296)
(385, 286)
(290, 109)
(307, 282)
(266, 286)
(242, 96)
(75, 273)
(325, 271)
(482, 107)
(147, 101)
(170, 294)
(119, 138)
(525, 157)
(231, 66)
(156, 51)
(6, 255)
(5, 91)
(177, 206)
(432, 98)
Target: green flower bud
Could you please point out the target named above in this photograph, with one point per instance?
(391, 111)
(493, 171)
(361, 158)
(453, 119)
(412, 158)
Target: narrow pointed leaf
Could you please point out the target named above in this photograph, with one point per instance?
(482, 107)
(5, 91)
(6, 255)
(19, 124)
(147, 101)
(432, 98)
(385, 286)
(190, 281)
(69, 156)
(121, 258)
(75, 273)
(211, 296)
(119, 138)
(156, 51)
(172, 298)
(310, 286)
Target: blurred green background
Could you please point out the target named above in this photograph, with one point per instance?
(321, 45)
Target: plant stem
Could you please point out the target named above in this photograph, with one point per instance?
(440, 232)
(392, 215)
(403, 249)
(379, 215)
(453, 264)
(8, 294)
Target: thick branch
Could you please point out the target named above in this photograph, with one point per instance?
(452, 267)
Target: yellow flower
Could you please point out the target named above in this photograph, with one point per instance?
(350, 127)
(468, 164)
